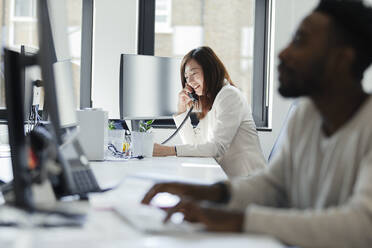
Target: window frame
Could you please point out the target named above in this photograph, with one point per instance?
(261, 61)
(14, 19)
(263, 50)
(86, 54)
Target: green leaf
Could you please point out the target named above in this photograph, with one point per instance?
(111, 125)
(145, 126)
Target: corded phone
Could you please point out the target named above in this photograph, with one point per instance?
(77, 177)
(194, 98)
(66, 172)
(68, 169)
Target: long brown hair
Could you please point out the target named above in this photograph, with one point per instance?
(214, 75)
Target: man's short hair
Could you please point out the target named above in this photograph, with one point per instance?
(352, 25)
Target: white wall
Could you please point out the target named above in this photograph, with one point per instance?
(288, 15)
(115, 32)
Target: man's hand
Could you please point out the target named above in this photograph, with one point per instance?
(192, 191)
(214, 219)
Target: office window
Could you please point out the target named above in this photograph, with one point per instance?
(74, 14)
(163, 16)
(239, 31)
(18, 26)
(18, 22)
(226, 26)
(25, 8)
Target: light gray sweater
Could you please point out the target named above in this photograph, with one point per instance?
(317, 192)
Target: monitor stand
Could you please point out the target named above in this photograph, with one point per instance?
(14, 94)
(22, 193)
(135, 125)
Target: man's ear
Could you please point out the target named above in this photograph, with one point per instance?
(346, 58)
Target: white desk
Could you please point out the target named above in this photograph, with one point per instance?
(195, 169)
(105, 229)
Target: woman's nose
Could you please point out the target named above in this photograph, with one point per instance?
(190, 79)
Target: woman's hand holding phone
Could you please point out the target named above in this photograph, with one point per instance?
(184, 99)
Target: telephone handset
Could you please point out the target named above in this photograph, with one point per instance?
(193, 96)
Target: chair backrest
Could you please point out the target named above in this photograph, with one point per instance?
(283, 131)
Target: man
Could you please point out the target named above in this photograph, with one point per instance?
(317, 192)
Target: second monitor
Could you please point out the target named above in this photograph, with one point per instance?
(149, 86)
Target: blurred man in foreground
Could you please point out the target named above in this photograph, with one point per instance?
(317, 191)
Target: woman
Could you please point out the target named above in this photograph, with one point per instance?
(226, 130)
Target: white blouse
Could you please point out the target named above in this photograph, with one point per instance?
(227, 133)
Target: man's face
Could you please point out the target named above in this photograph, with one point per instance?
(302, 69)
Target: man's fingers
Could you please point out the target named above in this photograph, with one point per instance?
(172, 188)
(152, 192)
(178, 208)
(189, 209)
(170, 212)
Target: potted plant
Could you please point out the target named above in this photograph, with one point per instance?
(145, 126)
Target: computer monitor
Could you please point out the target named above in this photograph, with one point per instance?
(14, 64)
(54, 58)
(19, 76)
(28, 75)
(55, 61)
(149, 86)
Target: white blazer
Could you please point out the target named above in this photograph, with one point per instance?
(227, 133)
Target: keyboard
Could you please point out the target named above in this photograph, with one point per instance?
(149, 219)
(85, 181)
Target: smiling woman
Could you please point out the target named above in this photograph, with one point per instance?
(226, 130)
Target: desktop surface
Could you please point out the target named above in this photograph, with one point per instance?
(104, 228)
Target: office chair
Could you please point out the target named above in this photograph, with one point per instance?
(283, 131)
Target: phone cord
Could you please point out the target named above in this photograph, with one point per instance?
(179, 128)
